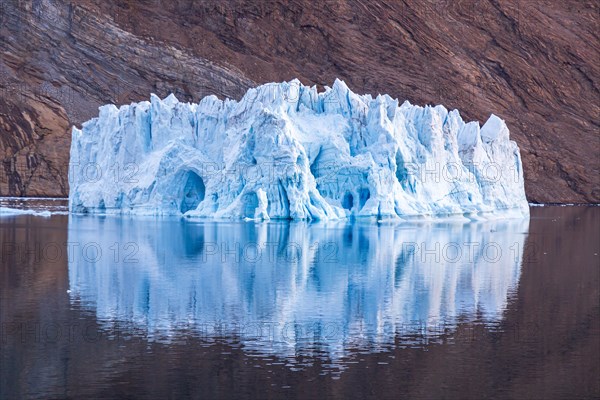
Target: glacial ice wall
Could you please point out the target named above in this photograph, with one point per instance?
(287, 151)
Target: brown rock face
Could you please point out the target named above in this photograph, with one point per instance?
(534, 63)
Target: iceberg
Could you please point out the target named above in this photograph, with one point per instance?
(288, 151)
(11, 212)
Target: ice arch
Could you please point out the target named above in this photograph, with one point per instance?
(193, 192)
(250, 204)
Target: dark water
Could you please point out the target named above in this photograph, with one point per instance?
(120, 308)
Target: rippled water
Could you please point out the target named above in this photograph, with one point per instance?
(107, 307)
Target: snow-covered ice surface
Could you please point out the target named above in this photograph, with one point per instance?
(287, 151)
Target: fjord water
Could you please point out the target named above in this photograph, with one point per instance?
(108, 307)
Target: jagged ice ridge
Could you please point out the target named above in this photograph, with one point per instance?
(287, 151)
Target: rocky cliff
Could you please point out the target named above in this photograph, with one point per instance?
(533, 63)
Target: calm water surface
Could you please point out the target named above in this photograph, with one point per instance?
(104, 307)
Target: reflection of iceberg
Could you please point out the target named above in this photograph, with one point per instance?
(284, 288)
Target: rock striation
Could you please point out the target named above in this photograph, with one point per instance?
(533, 63)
